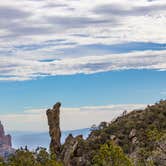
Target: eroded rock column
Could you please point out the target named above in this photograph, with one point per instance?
(53, 116)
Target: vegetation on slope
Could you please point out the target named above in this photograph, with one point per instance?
(112, 155)
(24, 157)
(134, 139)
(141, 135)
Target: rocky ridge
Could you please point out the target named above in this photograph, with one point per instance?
(141, 134)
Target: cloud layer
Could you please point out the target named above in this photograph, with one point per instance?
(71, 118)
(25, 68)
(36, 34)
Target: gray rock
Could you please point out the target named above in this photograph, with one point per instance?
(132, 133)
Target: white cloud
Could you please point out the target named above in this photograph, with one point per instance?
(24, 68)
(141, 18)
(27, 26)
(71, 118)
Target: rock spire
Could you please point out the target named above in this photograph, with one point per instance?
(53, 116)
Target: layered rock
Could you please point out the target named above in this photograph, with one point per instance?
(5, 143)
(53, 116)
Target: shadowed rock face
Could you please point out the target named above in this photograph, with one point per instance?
(53, 116)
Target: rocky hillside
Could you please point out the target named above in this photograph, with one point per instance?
(137, 138)
(140, 134)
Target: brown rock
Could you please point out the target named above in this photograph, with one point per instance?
(70, 146)
(5, 143)
(7, 140)
(53, 116)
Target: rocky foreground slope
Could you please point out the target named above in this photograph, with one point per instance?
(141, 135)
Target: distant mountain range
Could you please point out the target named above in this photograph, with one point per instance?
(33, 139)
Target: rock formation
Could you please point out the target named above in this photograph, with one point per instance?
(69, 148)
(141, 135)
(65, 152)
(5, 143)
(53, 116)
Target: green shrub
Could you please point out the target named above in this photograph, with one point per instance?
(111, 154)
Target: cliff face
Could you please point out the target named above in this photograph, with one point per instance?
(5, 143)
(54, 128)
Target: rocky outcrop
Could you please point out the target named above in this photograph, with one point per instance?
(70, 146)
(140, 134)
(132, 136)
(65, 152)
(132, 133)
(5, 143)
(53, 116)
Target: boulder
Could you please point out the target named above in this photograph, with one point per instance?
(132, 133)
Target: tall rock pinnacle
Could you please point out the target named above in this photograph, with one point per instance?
(5, 143)
(53, 116)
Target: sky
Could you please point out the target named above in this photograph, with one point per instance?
(98, 59)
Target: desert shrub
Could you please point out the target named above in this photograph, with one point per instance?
(27, 158)
(111, 154)
(2, 162)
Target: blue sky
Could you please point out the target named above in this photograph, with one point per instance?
(117, 87)
(96, 59)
